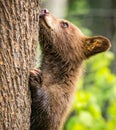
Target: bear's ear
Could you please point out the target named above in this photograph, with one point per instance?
(96, 44)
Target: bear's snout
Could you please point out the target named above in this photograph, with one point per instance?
(43, 12)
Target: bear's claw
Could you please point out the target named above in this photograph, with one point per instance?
(35, 77)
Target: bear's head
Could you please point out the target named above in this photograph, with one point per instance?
(60, 37)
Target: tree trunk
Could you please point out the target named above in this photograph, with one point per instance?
(18, 42)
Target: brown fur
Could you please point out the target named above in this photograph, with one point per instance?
(63, 51)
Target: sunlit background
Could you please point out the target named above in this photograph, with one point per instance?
(94, 105)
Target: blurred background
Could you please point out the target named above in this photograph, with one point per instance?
(94, 105)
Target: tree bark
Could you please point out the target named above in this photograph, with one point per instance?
(18, 42)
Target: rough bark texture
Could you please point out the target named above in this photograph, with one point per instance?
(18, 41)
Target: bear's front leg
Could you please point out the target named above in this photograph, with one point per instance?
(40, 102)
(35, 81)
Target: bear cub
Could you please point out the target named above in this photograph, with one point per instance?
(64, 48)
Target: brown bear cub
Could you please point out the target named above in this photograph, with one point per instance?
(64, 48)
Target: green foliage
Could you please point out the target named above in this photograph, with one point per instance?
(95, 100)
(76, 10)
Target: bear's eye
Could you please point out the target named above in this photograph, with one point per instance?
(64, 24)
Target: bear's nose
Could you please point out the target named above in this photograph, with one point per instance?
(43, 12)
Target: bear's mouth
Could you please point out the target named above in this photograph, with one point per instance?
(43, 16)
